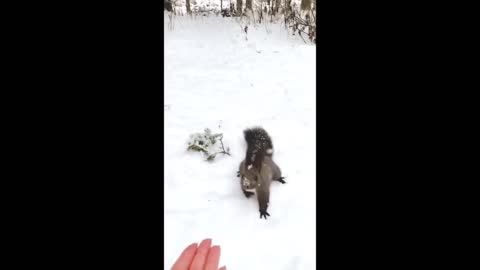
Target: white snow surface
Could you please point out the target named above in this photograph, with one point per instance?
(215, 78)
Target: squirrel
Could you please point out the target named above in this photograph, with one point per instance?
(258, 170)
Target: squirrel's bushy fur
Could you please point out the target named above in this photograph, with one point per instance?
(259, 145)
(258, 169)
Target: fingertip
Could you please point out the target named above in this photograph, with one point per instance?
(190, 247)
(206, 243)
(223, 268)
(216, 250)
(186, 257)
(213, 258)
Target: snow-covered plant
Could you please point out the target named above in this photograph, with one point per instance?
(207, 143)
(301, 20)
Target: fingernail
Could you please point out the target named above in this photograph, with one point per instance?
(191, 246)
(207, 241)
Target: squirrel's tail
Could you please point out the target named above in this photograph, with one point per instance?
(259, 145)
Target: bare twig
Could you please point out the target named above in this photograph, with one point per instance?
(223, 148)
(300, 34)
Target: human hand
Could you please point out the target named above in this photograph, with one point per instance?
(202, 257)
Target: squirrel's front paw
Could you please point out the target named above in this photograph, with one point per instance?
(281, 180)
(248, 193)
(264, 214)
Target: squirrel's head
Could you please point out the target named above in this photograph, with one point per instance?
(249, 179)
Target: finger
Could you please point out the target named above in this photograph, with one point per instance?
(201, 255)
(185, 258)
(223, 268)
(213, 258)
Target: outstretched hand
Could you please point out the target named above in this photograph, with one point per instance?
(202, 257)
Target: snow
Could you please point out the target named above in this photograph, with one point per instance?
(218, 77)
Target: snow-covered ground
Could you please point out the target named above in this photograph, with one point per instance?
(217, 77)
